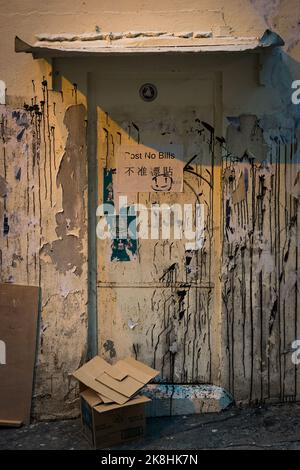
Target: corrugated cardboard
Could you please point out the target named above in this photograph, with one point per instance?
(19, 314)
(116, 383)
(107, 425)
(102, 408)
(91, 397)
(127, 386)
(87, 375)
(137, 369)
(105, 399)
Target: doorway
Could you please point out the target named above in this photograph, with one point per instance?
(157, 300)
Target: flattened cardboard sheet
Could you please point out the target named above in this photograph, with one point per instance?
(18, 329)
(135, 401)
(105, 399)
(137, 369)
(94, 401)
(87, 375)
(116, 383)
(127, 386)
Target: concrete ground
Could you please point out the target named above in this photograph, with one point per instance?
(266, 427)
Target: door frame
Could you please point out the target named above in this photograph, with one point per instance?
(92, 150)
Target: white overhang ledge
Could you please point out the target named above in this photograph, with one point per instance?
(135, 42)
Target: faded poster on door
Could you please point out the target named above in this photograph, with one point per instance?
(147, 169)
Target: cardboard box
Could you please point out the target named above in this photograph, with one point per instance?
(117, 383)
(105, 425)
(111, 411)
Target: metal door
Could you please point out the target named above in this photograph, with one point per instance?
(156, 302)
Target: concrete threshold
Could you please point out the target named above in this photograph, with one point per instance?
(176, 400)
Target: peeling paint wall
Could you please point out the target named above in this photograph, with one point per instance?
(44, 231)
(260, 277)
(260, 265)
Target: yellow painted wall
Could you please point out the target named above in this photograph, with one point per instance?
(40, 255)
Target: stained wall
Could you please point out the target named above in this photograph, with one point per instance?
(43, 188)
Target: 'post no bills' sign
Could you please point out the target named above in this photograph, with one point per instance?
(147, 169)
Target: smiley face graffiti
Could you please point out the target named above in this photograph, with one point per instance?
(162, 182)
